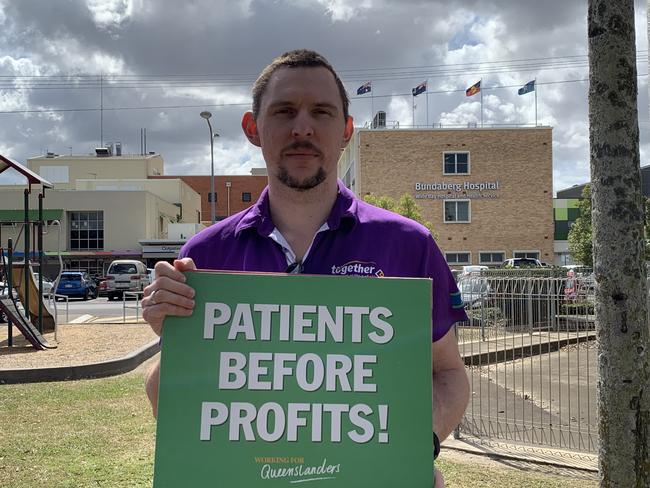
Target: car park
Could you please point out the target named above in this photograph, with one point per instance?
(125, 275)
(76, 284)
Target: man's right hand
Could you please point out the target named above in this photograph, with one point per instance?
(168, 294)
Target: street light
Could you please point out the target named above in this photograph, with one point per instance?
(206, 115)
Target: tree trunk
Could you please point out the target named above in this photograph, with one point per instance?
(617, 213)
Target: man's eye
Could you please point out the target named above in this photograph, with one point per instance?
(282, 111)
(323, 111)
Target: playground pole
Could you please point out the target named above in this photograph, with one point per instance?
(40, 260)
(26, 258)
(10, 290)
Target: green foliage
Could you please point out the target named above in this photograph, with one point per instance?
(580, 235)
(406, 207)
(580, 240)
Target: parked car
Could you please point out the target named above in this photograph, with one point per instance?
(151, 275)
(473, 269)
(47, 284)
(474, 292)
(77, 284)
(522, 263)
(102, 287)
(125, 275)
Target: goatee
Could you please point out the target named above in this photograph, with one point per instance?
(301, 185)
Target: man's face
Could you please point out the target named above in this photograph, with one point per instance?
(300, 127)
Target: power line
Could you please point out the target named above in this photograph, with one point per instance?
(217, 105)
(91, 82)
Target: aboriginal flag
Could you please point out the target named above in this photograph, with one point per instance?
(421, 88)
(474, 89)
(365, 88)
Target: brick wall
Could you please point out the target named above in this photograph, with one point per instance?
(239, 185)
(521, 218)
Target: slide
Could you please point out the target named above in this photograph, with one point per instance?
(18, 282)
(30, 332)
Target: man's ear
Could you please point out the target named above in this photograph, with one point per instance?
(249, 126)
(349, 131)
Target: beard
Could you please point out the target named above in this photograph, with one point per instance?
(304, 184)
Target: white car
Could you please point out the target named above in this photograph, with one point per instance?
(47, 284)
(125, 275)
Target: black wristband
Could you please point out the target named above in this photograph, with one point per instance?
(436, 446)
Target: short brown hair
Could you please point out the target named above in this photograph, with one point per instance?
(300, 58)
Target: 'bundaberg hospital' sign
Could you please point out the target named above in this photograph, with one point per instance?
(464, 190)
(278, 380)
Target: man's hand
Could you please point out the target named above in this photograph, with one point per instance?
(168, 294)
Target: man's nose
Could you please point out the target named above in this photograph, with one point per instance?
(302, 125)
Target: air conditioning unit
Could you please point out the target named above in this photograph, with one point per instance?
(379, 120)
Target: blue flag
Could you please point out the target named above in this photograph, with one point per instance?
(528, 87)
(365, 88)
(421, 88)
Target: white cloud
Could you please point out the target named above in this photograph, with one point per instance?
(110, 13)
(237, 157)
(340, 10)
(400, 111)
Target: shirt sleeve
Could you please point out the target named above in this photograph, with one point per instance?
(447, 306)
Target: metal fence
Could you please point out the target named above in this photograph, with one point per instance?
(531, 352)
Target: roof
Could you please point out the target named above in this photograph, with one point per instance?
(32, 178)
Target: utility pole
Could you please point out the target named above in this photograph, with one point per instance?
(618, 242)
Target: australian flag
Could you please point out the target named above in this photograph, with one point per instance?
(528, 87)
(421, 88)
(365, 88)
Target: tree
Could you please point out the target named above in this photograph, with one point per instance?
(580, 237)
(617, 220)
(406, 206)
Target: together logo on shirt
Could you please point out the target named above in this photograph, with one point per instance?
(358, 268)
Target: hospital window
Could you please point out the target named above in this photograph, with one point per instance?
(491, 257)
(456, 163)
(457, 211)
(458, 258)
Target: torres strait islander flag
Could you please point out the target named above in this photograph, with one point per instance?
(527, 88)
(474, 89)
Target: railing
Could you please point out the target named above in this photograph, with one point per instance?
(54, 297)
(131, 294)
(530, 350)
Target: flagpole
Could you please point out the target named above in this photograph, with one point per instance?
(413, 109)
(481, 85)
(427, 109)
(372, 105)
(535, 102)
(427, 86)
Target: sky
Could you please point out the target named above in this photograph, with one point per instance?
(156, 64)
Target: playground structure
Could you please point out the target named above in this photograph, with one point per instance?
(33, 318)
(32, 305)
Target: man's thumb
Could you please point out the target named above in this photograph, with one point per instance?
(184, 264)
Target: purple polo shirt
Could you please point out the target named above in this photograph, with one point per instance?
(361, 240)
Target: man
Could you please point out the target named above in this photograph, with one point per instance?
(307, 221)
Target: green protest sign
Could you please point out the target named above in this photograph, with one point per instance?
(278, 380)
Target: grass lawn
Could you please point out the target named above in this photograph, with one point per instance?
(100, 433)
